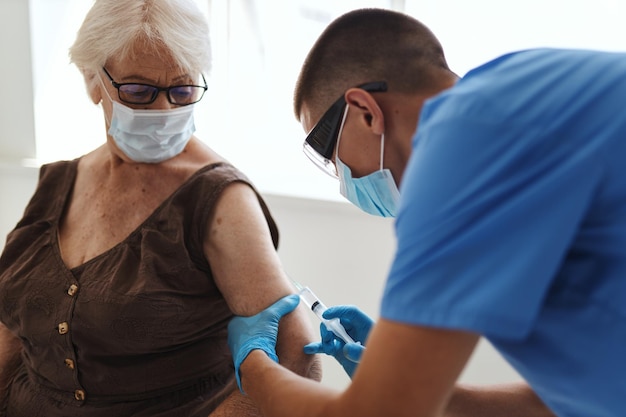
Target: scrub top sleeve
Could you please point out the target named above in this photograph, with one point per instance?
(487, 213)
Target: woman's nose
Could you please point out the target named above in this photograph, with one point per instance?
(160, 102)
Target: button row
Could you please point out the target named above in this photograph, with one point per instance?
(79, 394)
(65, 327)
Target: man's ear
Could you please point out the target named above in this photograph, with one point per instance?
(370, 113)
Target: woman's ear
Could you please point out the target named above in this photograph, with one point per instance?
(370, 113)
(94, 86)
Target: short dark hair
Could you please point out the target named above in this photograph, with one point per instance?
(368, 45)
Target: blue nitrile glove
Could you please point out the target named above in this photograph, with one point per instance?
(357, 324)
(260, 331)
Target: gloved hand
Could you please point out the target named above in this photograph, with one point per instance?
(357, 324)
(260, 331)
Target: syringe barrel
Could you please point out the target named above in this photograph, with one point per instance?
(311, 300)
(316, 305)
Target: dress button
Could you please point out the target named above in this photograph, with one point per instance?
(73, 289)
(64, 327)
(69, 363)
(79, 395)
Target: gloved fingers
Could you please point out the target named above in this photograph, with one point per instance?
(283, 306)
(327, 348)
(258, 332)
(332, 345)
(313, 348)
(341, 311)
(357, 323)
(327, 335)
(348, 315)
(353, 351)
(331, 348)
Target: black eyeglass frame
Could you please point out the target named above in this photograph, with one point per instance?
(323, 137)
(157, 90)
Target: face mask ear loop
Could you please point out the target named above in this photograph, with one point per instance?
(104, 87)
(343, 122)
(107, 93)
(382, 150)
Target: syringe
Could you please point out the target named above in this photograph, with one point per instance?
(316, 305)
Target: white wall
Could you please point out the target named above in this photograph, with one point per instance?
(17, 184)
(17, 124)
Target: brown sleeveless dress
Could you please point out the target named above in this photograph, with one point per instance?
(140, 330)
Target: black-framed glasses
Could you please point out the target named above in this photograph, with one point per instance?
(320, 143)
(138, 93)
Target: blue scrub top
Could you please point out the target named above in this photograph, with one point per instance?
(512, 222)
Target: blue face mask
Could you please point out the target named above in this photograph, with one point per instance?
(150, 136)
(375, 193)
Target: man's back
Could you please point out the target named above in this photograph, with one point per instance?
(513, 221)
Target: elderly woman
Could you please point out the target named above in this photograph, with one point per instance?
(118, 283)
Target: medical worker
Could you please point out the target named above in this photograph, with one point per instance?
(511, 225)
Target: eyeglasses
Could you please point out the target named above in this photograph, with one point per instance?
(138, 93)
(320, 143)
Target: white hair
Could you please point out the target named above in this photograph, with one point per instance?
(120, 28)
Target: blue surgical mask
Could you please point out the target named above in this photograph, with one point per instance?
(375, 193)
(151, 136)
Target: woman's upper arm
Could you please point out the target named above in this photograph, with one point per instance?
(248, 272)
(10, 345)
(10, 348)
(238, 246)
